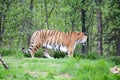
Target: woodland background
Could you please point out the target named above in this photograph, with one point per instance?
(99, 19)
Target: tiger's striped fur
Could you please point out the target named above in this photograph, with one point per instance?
(56, 40)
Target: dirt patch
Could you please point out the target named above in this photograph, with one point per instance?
(66, 76)
(37, 74)
(44, 73)
(55, 65)
(34, 73)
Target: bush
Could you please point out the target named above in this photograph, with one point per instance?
(88, 56)
(39, 53)
(93, 56)
(52, 53)
(115, 59)
(59, 54)
(10, 52)
(6, 52)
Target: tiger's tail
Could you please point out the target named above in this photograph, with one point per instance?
(25, 51)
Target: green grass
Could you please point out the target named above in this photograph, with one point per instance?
(21, 68)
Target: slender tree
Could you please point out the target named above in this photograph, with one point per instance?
(115, 37)
(30, 22)
(2, 18)
(99, 27)
(3, 10)
(117, 41)
(31, 10)
(83, 25)
(47, 23)
(1, 28)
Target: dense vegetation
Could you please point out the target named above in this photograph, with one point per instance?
(99, 19)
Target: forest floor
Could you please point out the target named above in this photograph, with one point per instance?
(22, 68)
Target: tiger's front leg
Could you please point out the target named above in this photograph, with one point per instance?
(70, 52)
(46, 54)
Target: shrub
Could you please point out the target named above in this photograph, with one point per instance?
(6, 52)
(11, 52)
(93, 56)
(115, 59)
(59, 54)
(39, 53)
(88, 56)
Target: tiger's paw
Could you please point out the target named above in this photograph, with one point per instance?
(48, 56)
(51, 58)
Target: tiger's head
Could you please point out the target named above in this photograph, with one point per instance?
(81, 38)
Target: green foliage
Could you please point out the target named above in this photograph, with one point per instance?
(57, 69)
(87, 70)
(18, 22)
(10, 52)
(59, 54)
(7, 52)
(91, 56)
(115, 59)
(39, 53)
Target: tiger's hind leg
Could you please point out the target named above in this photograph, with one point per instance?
(46, 54)
(33, 49)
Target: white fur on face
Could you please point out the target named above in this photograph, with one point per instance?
(84, 40)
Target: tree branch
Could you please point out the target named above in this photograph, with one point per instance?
(3, 63)
(51, 10)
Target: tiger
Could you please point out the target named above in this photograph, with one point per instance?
(56, 40)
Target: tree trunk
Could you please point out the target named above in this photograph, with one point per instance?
(31, 5)
(99, 28)
(46, 14)
(73, 25)
(117, 40)
(31, 9)
(118, 48)
(30, 22)
(2, 20)
(83, 27)
(0, 29)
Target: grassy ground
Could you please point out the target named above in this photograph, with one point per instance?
(21, 68)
